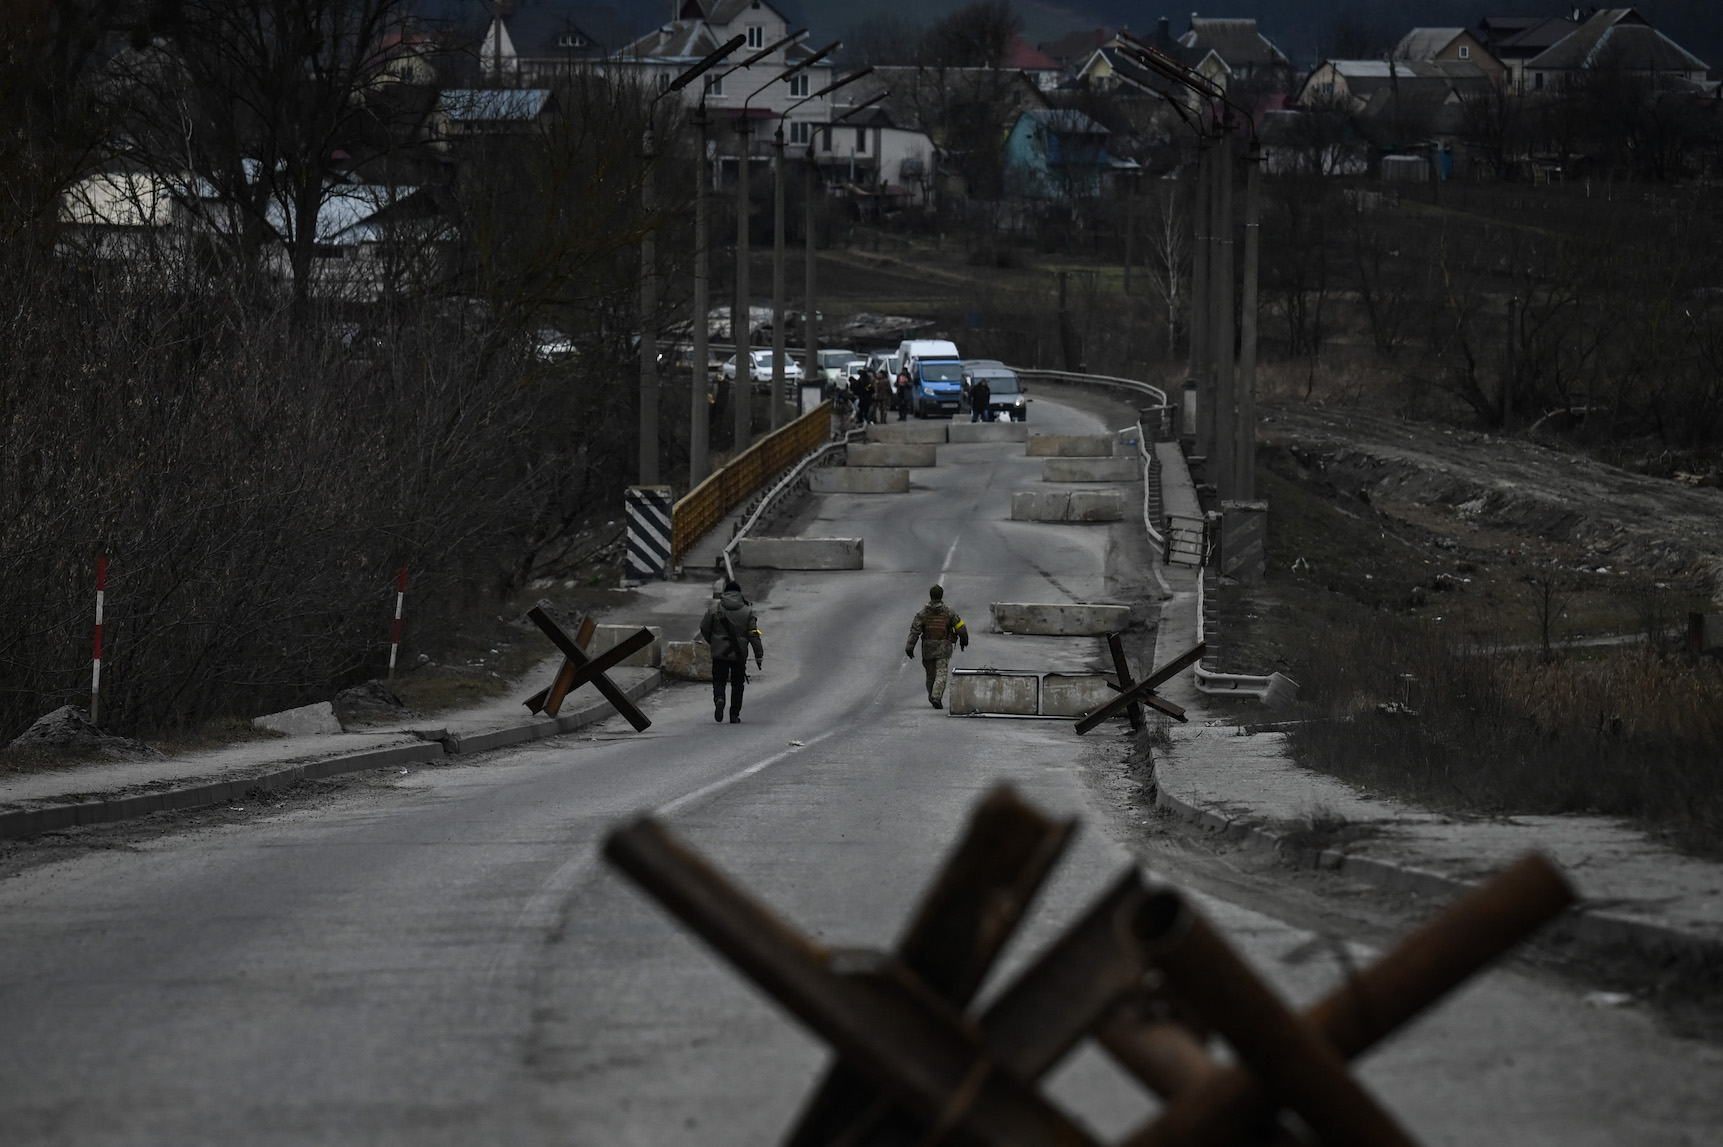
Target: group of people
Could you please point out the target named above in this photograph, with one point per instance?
(732, 630)
(876, 394)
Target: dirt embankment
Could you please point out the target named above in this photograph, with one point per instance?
(1508, 484)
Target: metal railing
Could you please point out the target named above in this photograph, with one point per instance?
(1187, 540)
(705, 505)
(1137, 385)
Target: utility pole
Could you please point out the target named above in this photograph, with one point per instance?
(1220, 470)
(778, 372)
(810, 319)
(1200, 311)
(648, 465)
(741, 319)
(1245, 486)
(699, 404)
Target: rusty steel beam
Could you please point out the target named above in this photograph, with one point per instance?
(903, 1039)
(965, 919)
(1460, 941)
(1144, 689)
(582, 638)
(1298, 1066)
(581, 661)
(1122, 667)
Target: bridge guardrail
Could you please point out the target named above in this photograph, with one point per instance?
(703, 507)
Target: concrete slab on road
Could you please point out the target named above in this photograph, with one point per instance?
(800, 553)
(1076, 506)
(892, 454)
(1091, 470)
(1070, 446)
(988, 432)
(907, 432)
(1059, 619)
(859, 480)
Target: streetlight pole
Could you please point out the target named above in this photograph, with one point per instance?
(1221, 470)
(699, 404)
(779, 319)
(647, 465)
(741, 314)
(741, 318)
(1245, 486)
(777, 403)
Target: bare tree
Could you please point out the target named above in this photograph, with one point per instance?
(1167, 261)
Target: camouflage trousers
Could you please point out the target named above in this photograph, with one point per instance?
(936, 668)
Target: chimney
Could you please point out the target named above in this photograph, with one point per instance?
(1163, 35)
(1193, 21)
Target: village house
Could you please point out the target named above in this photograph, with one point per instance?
(1618, 40)
(1448, 45)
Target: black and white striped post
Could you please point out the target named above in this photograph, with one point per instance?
(648, 515)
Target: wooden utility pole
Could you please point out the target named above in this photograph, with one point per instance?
(1244, 487)
(776, 404)
(741, 318)
(1198, 366)
(699, 405)
(1221, 471)
(810, 321)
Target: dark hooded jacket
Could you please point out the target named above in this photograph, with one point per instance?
(730, 627)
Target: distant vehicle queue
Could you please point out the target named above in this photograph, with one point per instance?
(928, 378)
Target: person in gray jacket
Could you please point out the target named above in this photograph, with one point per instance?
(730, 627)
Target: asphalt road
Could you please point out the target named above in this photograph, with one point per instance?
(444, 959)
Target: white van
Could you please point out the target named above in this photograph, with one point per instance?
(911, 350)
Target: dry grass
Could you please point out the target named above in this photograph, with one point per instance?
(1625, 733)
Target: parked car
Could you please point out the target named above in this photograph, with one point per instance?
(885, 360)
(761, 369)
(832, 363)
(1005, 390)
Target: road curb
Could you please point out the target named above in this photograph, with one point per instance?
(1591, 927)
(33, 822)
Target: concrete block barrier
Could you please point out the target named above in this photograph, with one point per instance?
(305, 720)
(859, 480)
(892, 454)
(688, 660)
(802, 553)
(1073, 694)
(1077, 506)
(607, 637)
(1091, 470)
(920, 433)
(987, 691)
(1070, 446)
(1060, 620)
(987, 432)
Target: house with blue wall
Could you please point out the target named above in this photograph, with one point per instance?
(1056, 153)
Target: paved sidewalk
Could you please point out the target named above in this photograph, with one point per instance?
(88, 780)
(1248, 786)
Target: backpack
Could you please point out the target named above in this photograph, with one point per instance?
(934, 626)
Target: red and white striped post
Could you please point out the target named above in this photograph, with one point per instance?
(96, 657)
(395, 638)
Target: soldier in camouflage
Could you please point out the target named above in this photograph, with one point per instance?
(936, 626)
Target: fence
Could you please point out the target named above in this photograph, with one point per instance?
(706, 504)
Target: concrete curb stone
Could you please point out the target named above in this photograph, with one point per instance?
(1594, 927)
(33, 822)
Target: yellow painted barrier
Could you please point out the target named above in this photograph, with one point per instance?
(706, 504)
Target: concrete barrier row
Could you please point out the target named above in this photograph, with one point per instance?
(902, 433)
(1069, 446)
(1090, 470)
(437, 745)
(1025, 693)
(801, 553)
(1077, 506)
(892, 454)
(859, 480)
(1060, 620)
